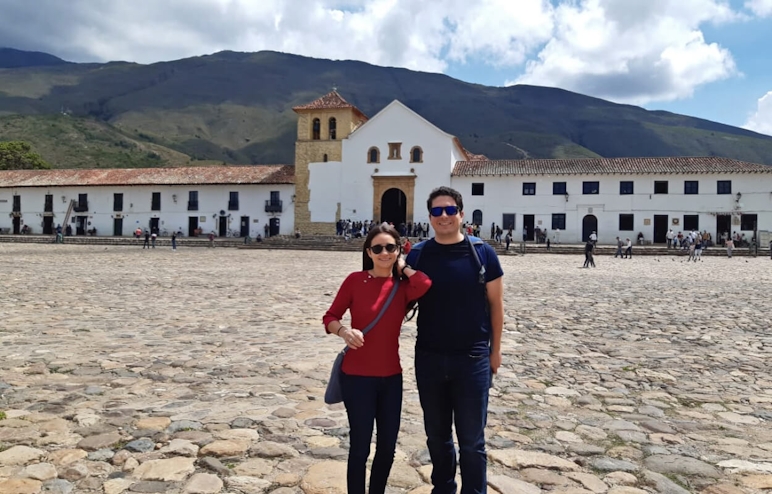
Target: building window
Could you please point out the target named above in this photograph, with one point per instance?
(17, 204)
(233, 201)
(691, 222)
(324, 158)
(691, 187)
(590, 188)
(274, 204)
(48, 205)
(332, 128)
(724, 187)
(477, 218)
(559, 188)
(478, 189)
(559, 221)
(395, 150)
(82, 205)
(626, 188)
(626, 222)
(373, 155)
(193, 200)
(117, 202)
(316, 129)
(156, 202)
(748, 222)
(529, 188)
(660, 186)
(416, 155)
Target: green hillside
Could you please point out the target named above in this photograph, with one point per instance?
(71, 142)
(237, 108)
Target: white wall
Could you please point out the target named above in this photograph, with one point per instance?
(137, 206)
(505, 195)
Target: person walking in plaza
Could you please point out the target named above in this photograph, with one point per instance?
(458, 348)
(629, 249)
(588, 257)
(670, 236)
(174, 240)
(153, 237)
(146, 245)
(619, 248)
(371, 382)
(729, 246)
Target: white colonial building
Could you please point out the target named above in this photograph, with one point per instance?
(383, 168)
(389, 164)
(229, 201)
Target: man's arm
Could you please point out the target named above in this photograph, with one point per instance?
(495, 291)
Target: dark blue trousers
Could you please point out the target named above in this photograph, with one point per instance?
(454, 389)
(371, 400)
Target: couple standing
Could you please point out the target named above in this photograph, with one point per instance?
(458, 282)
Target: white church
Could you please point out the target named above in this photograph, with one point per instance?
(349, 166)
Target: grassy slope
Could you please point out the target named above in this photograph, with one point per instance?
(70, 142)
(236, 107)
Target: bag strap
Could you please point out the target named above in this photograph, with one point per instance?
(383, 310)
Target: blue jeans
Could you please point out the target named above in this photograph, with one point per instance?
(454, 389)
(368, 400)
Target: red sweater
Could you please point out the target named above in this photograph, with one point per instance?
(364, 296)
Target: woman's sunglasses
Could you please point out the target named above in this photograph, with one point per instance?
(378, 248)
(449, 210)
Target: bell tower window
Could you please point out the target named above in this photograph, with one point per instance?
(332, 128)
(316, 129)
(373, 155)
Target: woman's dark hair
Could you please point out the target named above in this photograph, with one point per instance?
(386, 228)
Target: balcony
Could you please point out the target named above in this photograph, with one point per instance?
(80, 207)
(192, 205)
(233, 205)
(273, 206)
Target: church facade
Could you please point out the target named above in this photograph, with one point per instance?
(384, 168)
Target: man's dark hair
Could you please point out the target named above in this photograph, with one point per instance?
(445, 191)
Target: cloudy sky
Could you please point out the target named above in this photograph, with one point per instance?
(707, 58)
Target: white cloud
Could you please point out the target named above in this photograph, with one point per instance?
(633, 52)
(625, 50)
(761, 8)
(761, 121)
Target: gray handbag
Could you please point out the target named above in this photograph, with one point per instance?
(334, 394)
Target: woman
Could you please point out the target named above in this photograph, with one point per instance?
(372, 377)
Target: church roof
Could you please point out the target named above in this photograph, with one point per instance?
(606, 166)
(194, 175)
(330, 101)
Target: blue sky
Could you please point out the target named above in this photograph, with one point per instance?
(704, 58)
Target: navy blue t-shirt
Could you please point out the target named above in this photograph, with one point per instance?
(453, 316)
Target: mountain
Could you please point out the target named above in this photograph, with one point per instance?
(11, 59)
(237, 108)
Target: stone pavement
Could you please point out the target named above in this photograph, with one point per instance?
(202, 371)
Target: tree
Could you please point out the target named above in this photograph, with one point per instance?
(17, 155)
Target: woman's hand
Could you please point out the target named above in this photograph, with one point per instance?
(354, 338)
(401, 265)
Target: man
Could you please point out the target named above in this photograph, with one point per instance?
(619, 248)
(628, 250)
(458, 348)
(594, 238)
(588, 257)
(670, 236)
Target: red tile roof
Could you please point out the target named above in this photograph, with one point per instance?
(330, 101)
(600, 166)
(200, 175)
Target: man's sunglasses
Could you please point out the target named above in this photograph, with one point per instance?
(449, 210)
(378, 248)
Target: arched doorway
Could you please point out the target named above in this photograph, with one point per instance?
(589, 225)
(394, 207)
